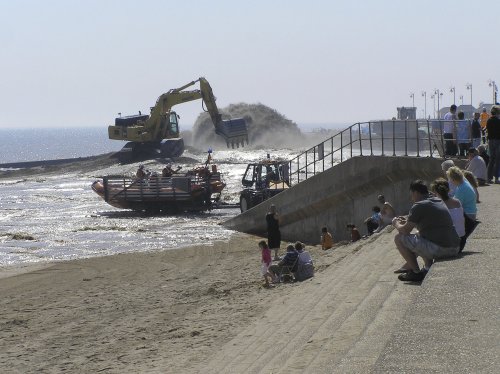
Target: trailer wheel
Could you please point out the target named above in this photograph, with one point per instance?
(245, 203)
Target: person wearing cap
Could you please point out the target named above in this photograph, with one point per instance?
(140, 174)
(483, 119)
(493, 131)
(167, 171)
(477, 166)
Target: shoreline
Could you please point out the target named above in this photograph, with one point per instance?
(138, 312)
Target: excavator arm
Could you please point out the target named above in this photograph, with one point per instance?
(234, 131)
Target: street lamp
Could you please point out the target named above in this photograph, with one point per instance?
(461, 99)
(412, 95)
(469, 87)
(452, 89)
(434, 99)
(424, 94)
(494, 87)
(438, 94)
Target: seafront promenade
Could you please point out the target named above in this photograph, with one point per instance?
(356, 317)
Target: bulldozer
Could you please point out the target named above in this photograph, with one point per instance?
(157, 134)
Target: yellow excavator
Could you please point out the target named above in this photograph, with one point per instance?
(157, 134)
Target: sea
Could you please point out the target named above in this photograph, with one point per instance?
(57, 217)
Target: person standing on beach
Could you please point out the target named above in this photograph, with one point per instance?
(493, 130)
(266, 263)
(449, 132)
(273, 231)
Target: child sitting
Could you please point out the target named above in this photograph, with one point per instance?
(326, 239)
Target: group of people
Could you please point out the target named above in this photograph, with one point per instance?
(145, 174)
(482, 134)
(443, 216)
(297, 263)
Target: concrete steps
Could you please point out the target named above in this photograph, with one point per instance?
(349, 310)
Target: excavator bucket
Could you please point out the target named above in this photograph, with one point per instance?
(234, 131)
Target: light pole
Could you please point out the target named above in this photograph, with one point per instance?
(469, 87)
(452, 89)
(434, 98)
(461, 99)
(424, 94)
(437, 93)
(494, 87)
(412, 95)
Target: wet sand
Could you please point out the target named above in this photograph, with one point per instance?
(166, 311)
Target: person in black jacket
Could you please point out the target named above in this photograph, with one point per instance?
(493, 130)
(476, 131)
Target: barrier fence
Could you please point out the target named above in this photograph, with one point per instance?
(415, 138)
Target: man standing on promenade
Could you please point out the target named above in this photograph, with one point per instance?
(493, 130)
(449, 132)
(436, 236)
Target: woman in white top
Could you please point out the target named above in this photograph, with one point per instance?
(441, 189)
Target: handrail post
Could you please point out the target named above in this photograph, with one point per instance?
(406, 137)
(370, 137)
(314, 160)
(350, 138)
(393, 137)
(341, 146)
(418, 141)
(382, 136)
(307, 165)
(429, 136)
(359, 137)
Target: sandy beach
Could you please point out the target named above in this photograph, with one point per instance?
(167, 311)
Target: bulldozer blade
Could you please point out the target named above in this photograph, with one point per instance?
(233, 131)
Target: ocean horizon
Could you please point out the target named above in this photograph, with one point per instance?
(39, 144)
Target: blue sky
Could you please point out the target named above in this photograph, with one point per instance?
(78, 63)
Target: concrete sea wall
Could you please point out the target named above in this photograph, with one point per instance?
(343, 194)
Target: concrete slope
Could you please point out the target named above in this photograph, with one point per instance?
(454, 325)
(343, 194)
(356, 317)
(344, 315)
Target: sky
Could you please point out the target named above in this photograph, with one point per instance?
(69, 63)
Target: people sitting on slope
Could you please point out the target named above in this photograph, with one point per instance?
(374, 221)
(305, 267)
(387, 213)
(326, 239)
(436, 236)
(477, 166)
(288, 264)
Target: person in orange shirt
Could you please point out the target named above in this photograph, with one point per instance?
(326, 239)
(483, 118)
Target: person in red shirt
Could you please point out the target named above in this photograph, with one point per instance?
(266, 262)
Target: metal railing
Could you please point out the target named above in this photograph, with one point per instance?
(415, 138)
